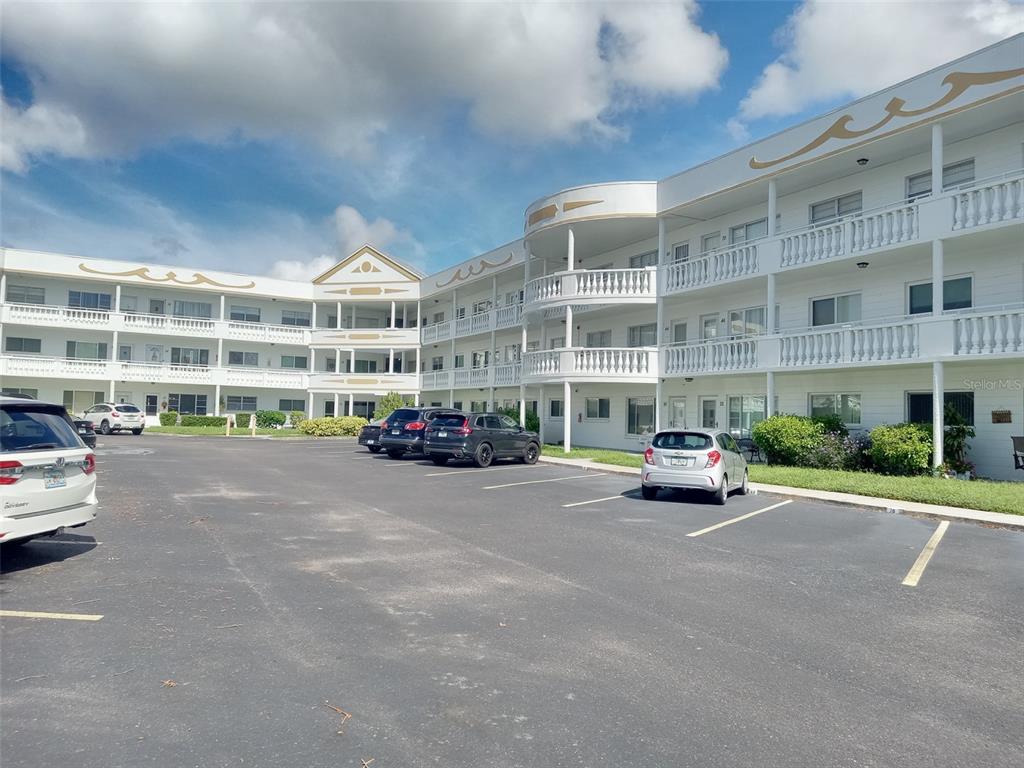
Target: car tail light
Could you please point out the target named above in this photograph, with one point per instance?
(462, 431)
(11, 472)
(412, 426)
(115, 414)
(649, 456)
(713, 458)
(90, 463)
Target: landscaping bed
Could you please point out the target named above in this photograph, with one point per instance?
(236, 432)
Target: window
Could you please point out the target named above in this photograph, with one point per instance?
(750, 231)
(919, 406)
(438, 318)
(599, 339)
(33, 393)
(837, 207)
(836, 309)
(642, 335)
(476, 406)
(747, 322)
(457, 405)
(199, 309)
(245, 314)
(298, 317)
(678, 333)
(330, 364)
(124, 353)
(507, 422)
(598, 407)
(693, 441)
(710, 241)
(300, 362)
(187, 404)
(555, 409)
(956, 294)
(514, 297)
(680, 253)
(512, 353)
(25, 294)
(89, 300)
(87, 350)
(362, 366)
(129, 304)
(291, 405)
(189, 356)
(328, 408)
(649, 259)
(953, 175)
(479, 307)
(241, 403)
(709, 326)
(251, 359)
(640, 415)
(481, 359)
(460, 313)
(846, 407)
(19, 344)
(556, 342)
(437, 363)
(744, 413)
(460, 361)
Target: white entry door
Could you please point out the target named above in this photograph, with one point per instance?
(708, 413)
(677, 413)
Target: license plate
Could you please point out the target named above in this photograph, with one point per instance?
(54, 478)
(396, 431)
(83, 431)
(684, 461)
(442, 434)
(369, 442)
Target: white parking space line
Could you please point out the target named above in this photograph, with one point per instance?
(917, 569)
(595, 501)
(724, 523)
(548, 480)
(46, 615)
(478, 471)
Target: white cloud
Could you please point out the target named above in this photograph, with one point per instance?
(109, 79)
(296, 269)
(837, 50)
(737, 129)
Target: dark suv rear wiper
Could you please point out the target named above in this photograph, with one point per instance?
(36, 447)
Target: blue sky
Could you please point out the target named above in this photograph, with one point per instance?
(210, 159)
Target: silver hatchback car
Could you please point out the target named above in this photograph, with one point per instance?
(709, 461)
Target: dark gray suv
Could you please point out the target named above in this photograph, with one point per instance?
(481, 437)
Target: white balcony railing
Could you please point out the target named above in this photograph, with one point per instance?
(715, 267)
(278, 334)
(508, 316)
(183, 326)
(471, 377)
(989, 333)
(996, 200)
(506, 374)
(889, 342)
(436, 332)
(710, 357)
(592, 364)
(435, 380)
(589, 286)
(263, 377)
(879, 228)
(478, 323)
(183, 374)
(43, 314)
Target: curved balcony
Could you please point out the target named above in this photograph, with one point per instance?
(604, 364)
(614, 200)
(593, 287)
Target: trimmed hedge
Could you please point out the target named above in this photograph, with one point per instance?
(204, 421)
(168, 419)
(294, 417)
(269, 419)
(787, 440)
(901, 449)
(242, 420)
(333, 426)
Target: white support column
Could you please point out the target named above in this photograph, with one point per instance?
(351, 404)
(938, 409)
(337, 319)
(393, 315)
(391, 360)
(417, 371)
(936, 158)
(660, 333)
(451, 378)
(223, 302)
(352, 360)
(770, 303)
(312, 360)
(216, 399)
(522, 405)
(566, 416)
(111, 398)
(309, 407)
(3, 287)
(336, 404)
(117, 300)
(772, 207)
(337, 361)
(938, 270)
(220, 353)
(405, 314)
(419, 313)
(353, 316)
(568, 326)
(113, 348)
(770, 393)
(312, 317)
(571, 251)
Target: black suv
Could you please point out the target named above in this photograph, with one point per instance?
(482, 437)
(402, 431)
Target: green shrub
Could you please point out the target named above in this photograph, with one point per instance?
(392, 401)
(203, 421)
(294, 417)
(332, 426)
(900, 449)
(835, 451)
(787, 440)
(833, 424)
(168, 419)
(242, 420)
(532, 419)
(269, 419)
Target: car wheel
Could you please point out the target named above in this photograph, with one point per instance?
(439, 460)
(722, 494)
(373, 448)
(531, 453)
(649, 492)
(105, 427)
(395, 454)
(484, 455)
(136, 431)
(744, 486)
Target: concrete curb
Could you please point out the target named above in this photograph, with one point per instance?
(914, 508)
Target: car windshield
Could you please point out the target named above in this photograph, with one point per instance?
(449, 420)
(125, 408)
(34, 427)
(404, 414)
(694, 441)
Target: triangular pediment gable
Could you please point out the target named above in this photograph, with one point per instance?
(367, 265)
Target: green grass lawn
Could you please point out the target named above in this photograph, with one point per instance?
(975, 494)
(237, 432)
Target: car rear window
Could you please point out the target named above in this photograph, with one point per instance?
(693, 441)
(125, 408)
(449, 420)
(404, 414)
(34, 427)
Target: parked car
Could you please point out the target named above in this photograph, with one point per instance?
(481, 437)
(115, 417)
(47, 474)
(86, 432)
(402, 431)
(370, 436)
(709, 461)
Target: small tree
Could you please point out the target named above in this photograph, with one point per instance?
(392, 401)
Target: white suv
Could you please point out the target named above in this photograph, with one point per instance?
(113, 417)
(47, 474)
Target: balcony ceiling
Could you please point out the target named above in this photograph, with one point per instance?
(592, 238)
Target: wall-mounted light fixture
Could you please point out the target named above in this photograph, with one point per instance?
(862, 161)
(862, 265)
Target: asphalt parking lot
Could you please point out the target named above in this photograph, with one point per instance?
(236, 597)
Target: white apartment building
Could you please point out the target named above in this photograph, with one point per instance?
(867, 263)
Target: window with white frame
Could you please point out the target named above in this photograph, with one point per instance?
(957, 293)
(953, 175)
(249, 359)
(846, 406)
(300, 362)
(749, 321)
(709, 326)
(832, 310)
(124, 353)
(460, 313)
(190, 356)
(680, 253)
(202, 310)
(477, 406)
(645, 335)
(556, 342)
(27, 391)
(512, 353)
(187, 404)
(837, 207)
(744, 412)
(598, 408)
(437, 318)
(287, 405)
(514, 297)
(532, 346)
(678, 333)
(87, 350)
(23, 345)
(460, 361)
(89, 300)
(649, 259)
(480, 307)
(481, 358)
(599, 339)
(25, 294)
(243, 314)
(129, 304)
(640, 415)
(710, 241)
(555, 409)
(240, 404)
(365, 366)
(297, 317)
(752, 230)
(437, 363)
